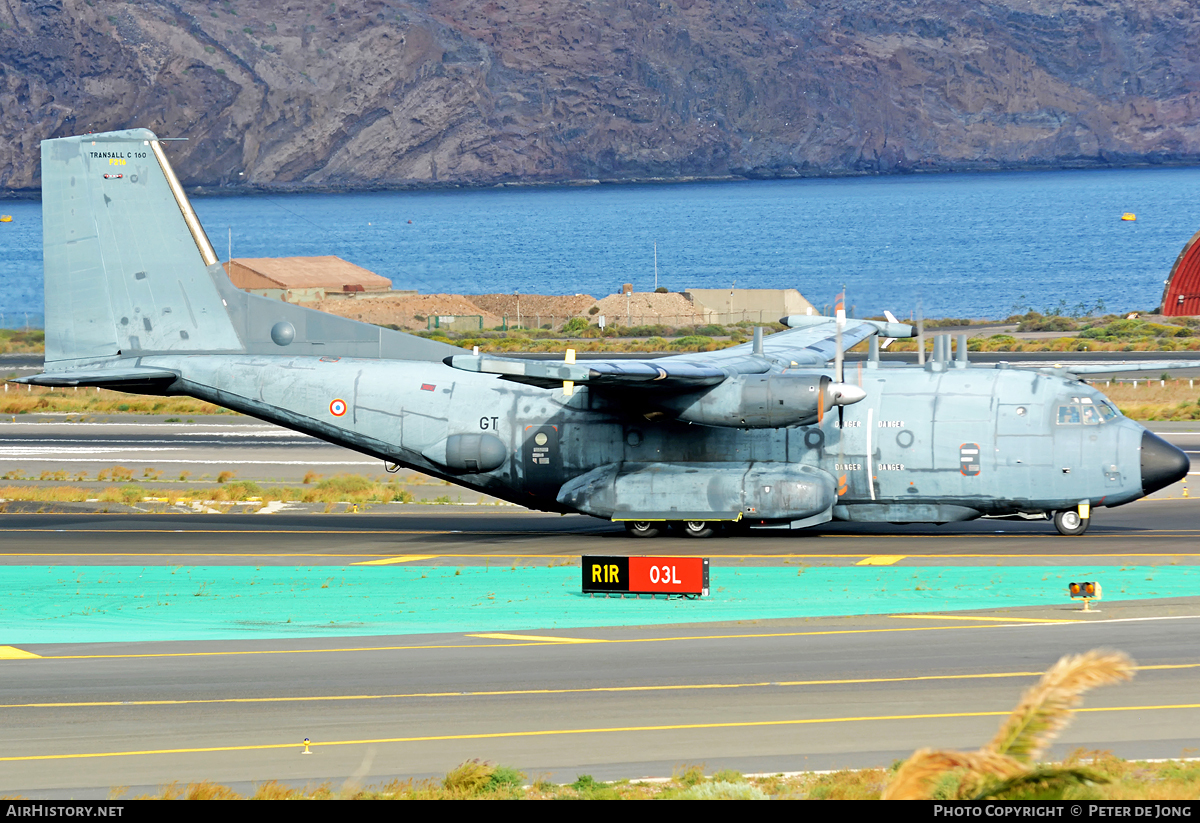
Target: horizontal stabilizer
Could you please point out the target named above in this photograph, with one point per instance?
(138, 381)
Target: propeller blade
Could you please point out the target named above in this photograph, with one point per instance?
(920, 335)
(569, 385)
(839, 357)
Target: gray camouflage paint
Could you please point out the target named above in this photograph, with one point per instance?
(130, 304)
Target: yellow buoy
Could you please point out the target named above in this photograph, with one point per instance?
(1129, 216)
(5, 218)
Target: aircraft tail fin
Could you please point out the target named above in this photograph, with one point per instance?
(126, 260)
(130, 271)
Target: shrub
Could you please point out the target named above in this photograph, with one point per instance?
(575, 325)
(469, 778)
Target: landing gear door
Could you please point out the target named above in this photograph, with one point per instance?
(542, 460)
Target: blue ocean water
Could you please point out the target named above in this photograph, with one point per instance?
(965, 245)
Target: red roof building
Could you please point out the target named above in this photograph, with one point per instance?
(1181, 297)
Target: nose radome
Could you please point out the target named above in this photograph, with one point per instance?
(1162, 463)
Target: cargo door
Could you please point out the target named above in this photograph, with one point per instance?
(1021, 448)
(963, 450)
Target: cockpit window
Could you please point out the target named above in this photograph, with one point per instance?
(1084, 411)
(1068, 416)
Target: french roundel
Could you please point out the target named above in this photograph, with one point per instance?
(338, 407)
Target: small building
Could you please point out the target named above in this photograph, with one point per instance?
(302, 279)
(755, 305)
(1181, 297)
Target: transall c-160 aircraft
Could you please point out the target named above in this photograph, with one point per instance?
(137, 301)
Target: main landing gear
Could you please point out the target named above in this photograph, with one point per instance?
(653, 528)
(643, 528)
(1070, 522)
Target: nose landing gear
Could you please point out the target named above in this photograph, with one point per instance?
(1069, 522)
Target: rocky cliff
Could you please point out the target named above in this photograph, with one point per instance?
(284, 94)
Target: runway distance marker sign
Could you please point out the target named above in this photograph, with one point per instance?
(645, 575)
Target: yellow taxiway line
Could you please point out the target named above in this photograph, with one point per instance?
(982, 619)
(542, 692)
(533, 637)
(746, 724)
(563, 641)
(13, 653)
(391, 561)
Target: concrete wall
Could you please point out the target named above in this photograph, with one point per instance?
(291, 295)
(756, 305)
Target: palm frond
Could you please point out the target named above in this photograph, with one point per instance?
(1047, 707)
(1046, 783)
(915, 779)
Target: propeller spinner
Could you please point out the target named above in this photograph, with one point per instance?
(837, 392)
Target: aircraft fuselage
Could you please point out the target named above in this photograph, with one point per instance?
(931, 445)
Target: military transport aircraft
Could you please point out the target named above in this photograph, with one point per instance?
(137, 301)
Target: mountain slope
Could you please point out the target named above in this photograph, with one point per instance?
(279, 94)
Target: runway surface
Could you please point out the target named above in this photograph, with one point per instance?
(166, 651)
(750, 693)
(248, 447)
(613, 703)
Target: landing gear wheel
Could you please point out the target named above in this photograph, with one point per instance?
(1069, 522)
(698, 528)
(641, 528)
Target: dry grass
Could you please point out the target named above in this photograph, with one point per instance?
(19, 399)
(346, 488)
(1128, 780)
(27, 341)
(1155, 399)
(1009, 343)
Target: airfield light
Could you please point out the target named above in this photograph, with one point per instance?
(1087, 591)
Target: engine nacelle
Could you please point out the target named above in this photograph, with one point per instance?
(701, 491)
(755, 401)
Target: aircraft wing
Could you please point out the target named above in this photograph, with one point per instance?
(810, 342)
(666, 372)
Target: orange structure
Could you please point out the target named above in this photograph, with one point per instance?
(1181, 297)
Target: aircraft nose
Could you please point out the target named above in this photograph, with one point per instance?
(1162, 463)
